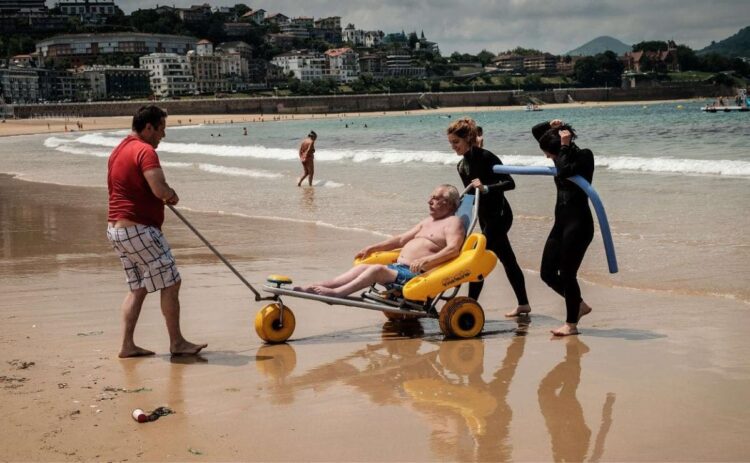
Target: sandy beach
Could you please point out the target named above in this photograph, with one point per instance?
(646, 381)
(656, 375)
(12, 127)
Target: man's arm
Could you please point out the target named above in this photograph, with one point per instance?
(391, 243)
(454, 239)
(159, 187)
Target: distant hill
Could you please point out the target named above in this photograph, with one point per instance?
(736, 45)
(600, 45)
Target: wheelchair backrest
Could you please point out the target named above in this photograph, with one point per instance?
(465, 212)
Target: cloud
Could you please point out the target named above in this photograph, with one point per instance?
(469, 26)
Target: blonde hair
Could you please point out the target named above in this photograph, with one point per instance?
(465, 128)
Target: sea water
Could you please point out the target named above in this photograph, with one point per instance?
(675, 181)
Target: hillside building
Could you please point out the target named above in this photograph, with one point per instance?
(84, 48)
(342, 65)
(305, 65)
(19, 85)
(170, 74)
(88, 11)
(114, 82)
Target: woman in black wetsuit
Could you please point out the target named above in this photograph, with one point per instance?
(574, 227)
(495, 215)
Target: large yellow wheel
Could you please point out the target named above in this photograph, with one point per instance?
(268, 326)
(461, 317)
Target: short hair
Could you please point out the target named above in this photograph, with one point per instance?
(312, 134)
(452, 195)
(145, 115)
(550, 141)
(465, 128)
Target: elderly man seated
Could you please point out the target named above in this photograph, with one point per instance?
(434, 240)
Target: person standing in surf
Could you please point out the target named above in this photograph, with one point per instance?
(307, 158)
(573, 229)
(495, 214)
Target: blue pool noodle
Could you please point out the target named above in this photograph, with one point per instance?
(601, 215)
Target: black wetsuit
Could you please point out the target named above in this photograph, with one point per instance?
(495, 216)
(573, 229)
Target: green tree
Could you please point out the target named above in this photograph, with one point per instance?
(523, 52)
(485, 57)
(532, 82)
(602, 69)
(240, 9)
(687, 58)
(651, 45)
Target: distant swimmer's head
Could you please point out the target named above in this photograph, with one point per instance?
(550, 143)
(312, 135)
(462, 135)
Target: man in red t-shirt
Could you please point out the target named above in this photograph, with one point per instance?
(137, 194)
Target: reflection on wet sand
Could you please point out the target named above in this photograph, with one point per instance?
(307, 200)
(468, 416)
(563, 413)
(52, 229)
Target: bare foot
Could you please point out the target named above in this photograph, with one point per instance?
(186, 348)
(568, 329)
(520, 310)
(135, 351)
(323, 291)
(583, 310)
(305, 289)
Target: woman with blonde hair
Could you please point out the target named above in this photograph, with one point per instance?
(495, 214)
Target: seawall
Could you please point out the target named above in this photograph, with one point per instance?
(372, 103)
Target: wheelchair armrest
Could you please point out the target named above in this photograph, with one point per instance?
(473, 264)
(380, 257)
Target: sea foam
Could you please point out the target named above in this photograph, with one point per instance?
(722, 167)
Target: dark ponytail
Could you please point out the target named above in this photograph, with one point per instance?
(549, 142)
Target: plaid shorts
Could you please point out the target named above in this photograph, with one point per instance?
(145, 256)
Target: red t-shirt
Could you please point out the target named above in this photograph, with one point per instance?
(130, 196)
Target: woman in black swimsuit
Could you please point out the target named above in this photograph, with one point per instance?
(495, 215)
(573, 229)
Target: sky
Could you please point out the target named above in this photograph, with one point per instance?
(470, 26)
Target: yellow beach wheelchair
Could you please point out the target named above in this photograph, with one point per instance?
(432, 294)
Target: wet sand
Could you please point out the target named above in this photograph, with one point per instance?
(62, 124)
(653, 377)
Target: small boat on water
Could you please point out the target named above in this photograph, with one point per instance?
(724, 109)
(742, 104)
(533, 107)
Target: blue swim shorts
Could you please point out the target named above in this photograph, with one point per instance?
(404, 274)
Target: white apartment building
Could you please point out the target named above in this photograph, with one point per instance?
(342, 65)
(305, 65)
(361, 38)
(352, 35)
(170, 74)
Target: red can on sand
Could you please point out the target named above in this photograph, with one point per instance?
(139, 415)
